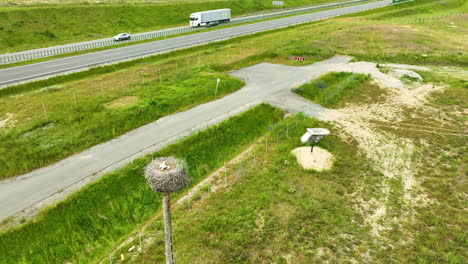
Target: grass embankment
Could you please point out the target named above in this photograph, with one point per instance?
(91, 116)
(274, 211)
(330, 88)
(401, 40)
(94, 219)
(23, 28)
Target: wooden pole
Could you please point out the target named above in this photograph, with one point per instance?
(141, 244)
(74, 100)
(168, 228)
(45, 112)
(159, 73)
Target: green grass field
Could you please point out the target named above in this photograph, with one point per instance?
(439, 39)
(29, 27)
(273, 211)
(279, 213)
(90, 222)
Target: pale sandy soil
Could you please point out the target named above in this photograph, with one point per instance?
(7, 120)
(319, 160)
(391, 155)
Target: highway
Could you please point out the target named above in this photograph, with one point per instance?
(42, 70)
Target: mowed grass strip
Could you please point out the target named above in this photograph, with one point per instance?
(93, 220)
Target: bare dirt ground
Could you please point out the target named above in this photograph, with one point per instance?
(320, 159)
(391, 155)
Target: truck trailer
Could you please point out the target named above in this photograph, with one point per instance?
(211, 17)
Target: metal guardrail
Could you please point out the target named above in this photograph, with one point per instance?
(94, 44)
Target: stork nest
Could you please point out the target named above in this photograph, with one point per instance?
(171, 179)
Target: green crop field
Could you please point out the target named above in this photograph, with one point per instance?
(29, 27)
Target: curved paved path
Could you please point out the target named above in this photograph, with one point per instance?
(265, 82)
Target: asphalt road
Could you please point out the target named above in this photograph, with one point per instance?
(47, 69)
(265, 82)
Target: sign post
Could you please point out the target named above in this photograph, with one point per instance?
(277, 3)
(314, 135)
(217, 83)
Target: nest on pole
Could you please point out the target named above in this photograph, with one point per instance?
(167, 174)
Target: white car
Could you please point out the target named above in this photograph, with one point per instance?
(122, 36)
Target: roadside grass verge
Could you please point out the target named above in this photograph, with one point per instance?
(25, 28)
(315, 40)
(401, 40)
(329, 89)
(91, 221)
(69, 121)
(21, 63)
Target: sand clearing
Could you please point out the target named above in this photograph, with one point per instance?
(319, 160)
(389, 154)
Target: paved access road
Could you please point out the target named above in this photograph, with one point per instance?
(61, 66)
(265, 82)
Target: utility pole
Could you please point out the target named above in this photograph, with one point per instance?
(168, 229)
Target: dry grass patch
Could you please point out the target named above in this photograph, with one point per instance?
(7, 120)
(122, 102)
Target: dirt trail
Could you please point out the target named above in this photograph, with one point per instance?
(391, 155)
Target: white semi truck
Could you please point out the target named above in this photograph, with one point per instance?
(211, 17)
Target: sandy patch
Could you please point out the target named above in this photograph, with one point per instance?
(389, 154)
(319, 160)
(401, 73)
(7, 120)
(365, 67)
(122, 102)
